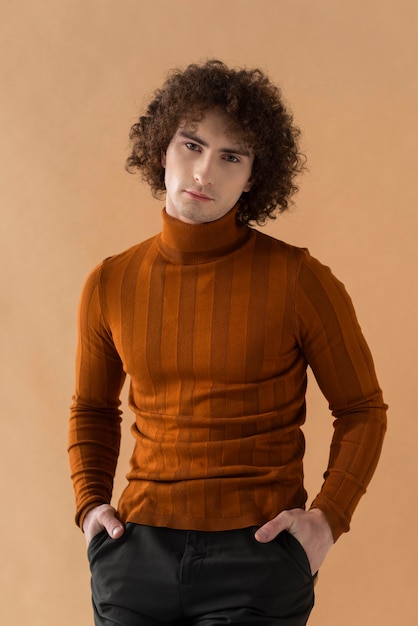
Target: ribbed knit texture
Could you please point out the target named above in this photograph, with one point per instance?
(215, 325)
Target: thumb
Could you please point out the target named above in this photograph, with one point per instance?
(112, 524)
(271, 529)
(116, 531)
(102, 517)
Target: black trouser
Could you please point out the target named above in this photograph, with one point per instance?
(155, 576)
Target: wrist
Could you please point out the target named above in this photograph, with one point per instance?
(323, 523)
(89, 515)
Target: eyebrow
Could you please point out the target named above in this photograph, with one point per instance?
(188, 135)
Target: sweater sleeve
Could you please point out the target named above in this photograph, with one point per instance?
(336, 351)
(94, 433)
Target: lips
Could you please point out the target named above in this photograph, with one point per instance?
(197, 195)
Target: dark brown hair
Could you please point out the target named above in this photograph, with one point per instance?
(257, 114)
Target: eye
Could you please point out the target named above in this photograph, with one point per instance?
(192, 146)
(231, 158)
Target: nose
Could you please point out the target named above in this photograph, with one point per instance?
(204, 170)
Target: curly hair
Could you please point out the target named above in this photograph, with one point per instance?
(257, 114)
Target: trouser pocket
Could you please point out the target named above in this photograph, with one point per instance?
(294, 548)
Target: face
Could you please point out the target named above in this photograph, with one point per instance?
(206, 170)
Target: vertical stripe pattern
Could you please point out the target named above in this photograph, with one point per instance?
(215, 327)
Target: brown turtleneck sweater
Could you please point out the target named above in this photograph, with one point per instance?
(215, 325)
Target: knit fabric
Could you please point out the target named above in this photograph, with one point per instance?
(215, 325)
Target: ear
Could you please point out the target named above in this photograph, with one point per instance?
(248, 185)
(163, 158)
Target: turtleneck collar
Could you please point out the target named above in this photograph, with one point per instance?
(189, 244)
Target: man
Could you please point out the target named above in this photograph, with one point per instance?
(215, 323)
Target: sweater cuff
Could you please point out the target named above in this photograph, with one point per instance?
(339, 523)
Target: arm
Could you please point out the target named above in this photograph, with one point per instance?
(334, 347)
(340, 359)
(94, 435)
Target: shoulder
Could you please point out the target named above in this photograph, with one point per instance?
(125, 258)
(116, 265)
(280, 251)
(265, 240)
(112, 269)
(314, 272)
(307, 271)
(318, 289)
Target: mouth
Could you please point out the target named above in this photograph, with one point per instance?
(197, 195)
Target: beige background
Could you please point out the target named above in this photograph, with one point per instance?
(74, 74)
